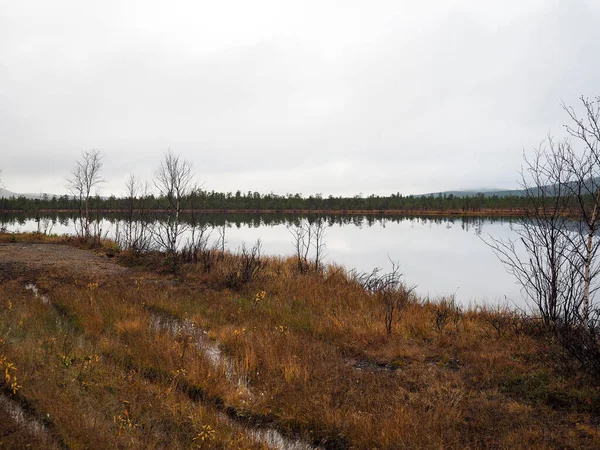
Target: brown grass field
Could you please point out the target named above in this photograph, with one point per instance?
(94, 360)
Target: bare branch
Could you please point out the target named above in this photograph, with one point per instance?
(85, 176)
(174, 181)
(554, 258)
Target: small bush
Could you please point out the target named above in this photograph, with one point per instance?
(246, 267)
(583, 344)
(446, 311)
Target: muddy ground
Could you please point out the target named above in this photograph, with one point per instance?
(25, 259)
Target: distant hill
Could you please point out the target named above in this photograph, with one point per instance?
(591, 185)
(5, 193)
(476, 192)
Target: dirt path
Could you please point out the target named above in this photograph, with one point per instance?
(62, 260)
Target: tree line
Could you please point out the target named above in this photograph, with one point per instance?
(255, 201)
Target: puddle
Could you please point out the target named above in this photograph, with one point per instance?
(452, 364)
(269, 437)
(371, 365)
(21, 418)
(204, 344)
(263, 435)
(36, 292)
(367, 365)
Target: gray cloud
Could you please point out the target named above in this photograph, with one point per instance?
(330, 97)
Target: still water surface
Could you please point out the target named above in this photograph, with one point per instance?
(441, 256)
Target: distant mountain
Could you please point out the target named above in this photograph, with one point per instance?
(5, 193)
(591, 185)
(476, 192)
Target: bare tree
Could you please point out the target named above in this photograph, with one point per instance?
(559, 267)
(220, 243)
(319, 233)
(307, 235)
(541, 259)
(584, 168)
(85, 176)
(174, 181)
(301, 238)
(196, 247)
(134, 232)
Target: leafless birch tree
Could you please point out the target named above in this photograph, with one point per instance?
(85, 176)
(544, 268)
(306, 235)
(319, 233)
(174, 182)
(133, 234)
(559, 266)
(196, 248)
(301, 238)
(220, 242)
(583, 167)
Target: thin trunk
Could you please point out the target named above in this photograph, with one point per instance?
(588, 260)
(176, 228)
(588, 263)
(87, 217)
(554, 291)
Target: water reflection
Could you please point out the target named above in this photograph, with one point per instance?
(246, 220)
(441, 255)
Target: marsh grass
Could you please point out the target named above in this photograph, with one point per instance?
(313, 349)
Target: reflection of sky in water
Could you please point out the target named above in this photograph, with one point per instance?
(440, 257)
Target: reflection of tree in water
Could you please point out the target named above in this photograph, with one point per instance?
(247, 220)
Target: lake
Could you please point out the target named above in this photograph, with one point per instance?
(441, 256)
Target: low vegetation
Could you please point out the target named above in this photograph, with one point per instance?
(253, 342)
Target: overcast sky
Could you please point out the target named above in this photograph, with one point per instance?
(335, 97)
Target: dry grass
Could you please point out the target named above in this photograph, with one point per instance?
(313, 350)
